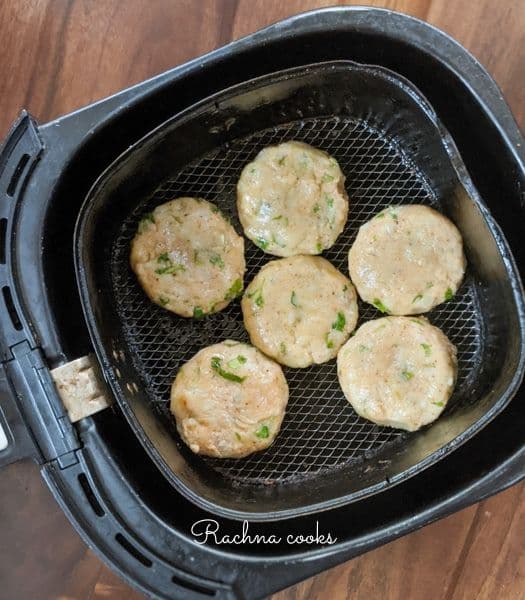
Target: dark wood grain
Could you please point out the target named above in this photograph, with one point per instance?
(58, 55)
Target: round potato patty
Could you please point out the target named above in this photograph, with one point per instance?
(291, 200)
(407, 259)
(299, 310)
(188, 258)
(398, 371)
(229, 400)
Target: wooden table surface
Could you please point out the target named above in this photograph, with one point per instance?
(58, 55)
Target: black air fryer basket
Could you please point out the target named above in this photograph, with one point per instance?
(393, 150)
(398, 135)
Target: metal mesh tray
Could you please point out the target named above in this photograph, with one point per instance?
(321, 430)
(392, 150)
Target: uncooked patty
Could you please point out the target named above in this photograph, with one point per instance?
(229, 400)
(291, 200)
(299, 310)
(407, 260)
(398, 371)
(188, 258)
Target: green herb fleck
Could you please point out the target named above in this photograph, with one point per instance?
(277, 218)
(327, 178)
(237, 435)
(339, 323)
(429, 285)
(163, 301)
(417, 321)
(427, 349)
(257, 296)
(449, 294)
(171, 270)
(329, 342)
(252, 170)
(262, 243)
(345, 287)
(380, 215)
(330, 202)
(319, 247)
(215, 209)
(380, 306)
(276, 242)
(145, 221)
(281, 160)
(407, 375)
(440, 404)
(235, 290)
(394, 216)
(216, 259)
(363, 348)
(216, 366)
(198, 313)
(282, 348)
(263, 432)
(168, 266)
(304, 161)
(236, 362)
(293, 299)
(416, 298)
(316, 209)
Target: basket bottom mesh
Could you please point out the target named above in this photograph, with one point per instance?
(320, 431)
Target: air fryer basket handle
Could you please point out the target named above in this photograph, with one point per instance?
(18, 154)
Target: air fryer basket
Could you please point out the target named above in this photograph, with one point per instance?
(392, 149)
